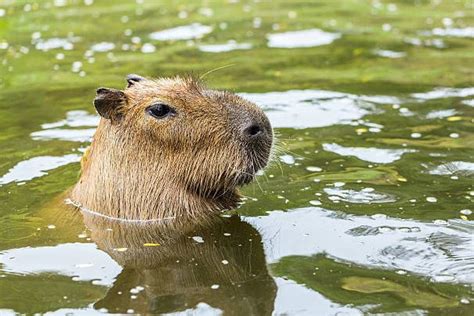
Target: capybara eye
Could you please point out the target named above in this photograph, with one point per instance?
(160, 110)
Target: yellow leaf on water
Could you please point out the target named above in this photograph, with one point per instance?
(402, 179)
(454, 118)
(464, 217)
(361, 130)
(151, 244)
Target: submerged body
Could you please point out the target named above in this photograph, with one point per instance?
(170, 148)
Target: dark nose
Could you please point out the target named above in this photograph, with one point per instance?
(253, 130)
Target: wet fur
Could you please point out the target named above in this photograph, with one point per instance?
(186, 166)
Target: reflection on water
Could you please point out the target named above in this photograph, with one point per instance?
(155, 268)
(185, 32)
(303, 38)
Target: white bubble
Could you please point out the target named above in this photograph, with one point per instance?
(431, 199)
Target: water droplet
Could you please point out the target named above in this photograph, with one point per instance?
(215, 286)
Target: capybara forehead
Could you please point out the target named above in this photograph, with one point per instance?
(183, 92)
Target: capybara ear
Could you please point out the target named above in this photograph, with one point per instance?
(107, 102)
(132, 79)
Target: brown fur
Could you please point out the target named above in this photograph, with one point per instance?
(177, 272)
(187, 165)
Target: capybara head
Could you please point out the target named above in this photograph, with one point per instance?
(171, 146)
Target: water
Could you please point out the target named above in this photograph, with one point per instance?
(366, 207)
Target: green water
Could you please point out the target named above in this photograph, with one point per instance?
(365, 209)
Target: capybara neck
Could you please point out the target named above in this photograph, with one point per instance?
(171, 148)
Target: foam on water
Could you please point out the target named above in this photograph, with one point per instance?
(426, 249)
(185, 32)
(36, 167)
(303, 38)
(371, 154)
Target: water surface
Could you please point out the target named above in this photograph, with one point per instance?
(366, 207)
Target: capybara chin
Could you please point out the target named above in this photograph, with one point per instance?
(171, 148)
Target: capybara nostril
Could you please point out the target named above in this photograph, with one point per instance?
(253, 130)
